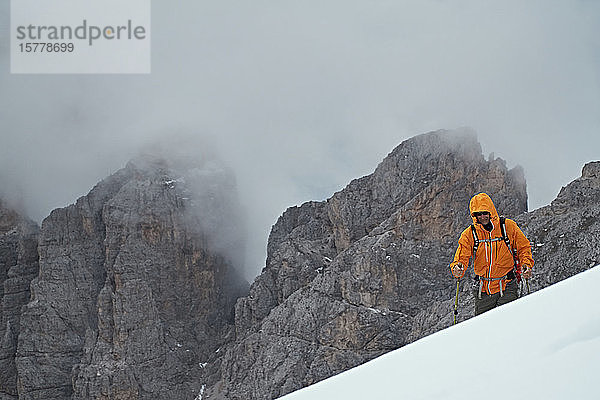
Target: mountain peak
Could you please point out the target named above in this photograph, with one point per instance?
(346, 278)
(146, 294)
(591, 170)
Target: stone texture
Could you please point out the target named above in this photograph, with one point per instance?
(565, 238)
(346, 278)
(566, 234)
(134, 295)
(18, 266)
(136, 287)
(366, 271)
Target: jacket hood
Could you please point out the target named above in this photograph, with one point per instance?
(482, 202)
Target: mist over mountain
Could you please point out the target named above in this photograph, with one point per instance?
(135, 291)
(274, 143)
(136, 286)
(301, 98)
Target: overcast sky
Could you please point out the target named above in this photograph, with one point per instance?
(300, 97)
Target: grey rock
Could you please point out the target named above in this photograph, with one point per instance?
(135, 293)
(18, 266)
(565, 235)
(565, 238)
(347, 278)
(365, 272)
(137, 287)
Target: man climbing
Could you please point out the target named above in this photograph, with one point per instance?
(500, 251)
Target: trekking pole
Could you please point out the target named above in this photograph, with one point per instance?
(527, 282)
(456, 301)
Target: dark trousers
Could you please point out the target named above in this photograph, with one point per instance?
(487, 302)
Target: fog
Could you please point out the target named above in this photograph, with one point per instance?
(298, 98)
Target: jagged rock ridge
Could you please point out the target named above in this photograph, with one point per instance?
(134, 296)
(565, 238)
(566, 234)
(346, 278)
(135, 290)
(18, 267)
(391, 286)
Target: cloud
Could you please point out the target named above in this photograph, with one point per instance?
(301, 97)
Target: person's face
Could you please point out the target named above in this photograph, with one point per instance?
(482, 217)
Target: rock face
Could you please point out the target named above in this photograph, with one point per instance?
(365, 272)
(18, 266)
(346, 278)
(565, 238)
(134, 293)
(566, 234)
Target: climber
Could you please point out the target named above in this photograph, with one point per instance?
(500, 250)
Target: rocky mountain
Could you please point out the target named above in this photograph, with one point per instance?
(136, 292)
(565, 238)
(347, 278)
(365, 272)
(18, 267)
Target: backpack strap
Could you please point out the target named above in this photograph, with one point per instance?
(513, 252)
(475, 240)
(504, 235)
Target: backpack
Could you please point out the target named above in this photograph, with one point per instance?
(513, 252)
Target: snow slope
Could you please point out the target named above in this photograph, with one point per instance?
(543, 346)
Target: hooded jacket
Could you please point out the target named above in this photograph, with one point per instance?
(493, 258)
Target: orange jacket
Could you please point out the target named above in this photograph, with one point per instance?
(493, 258)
